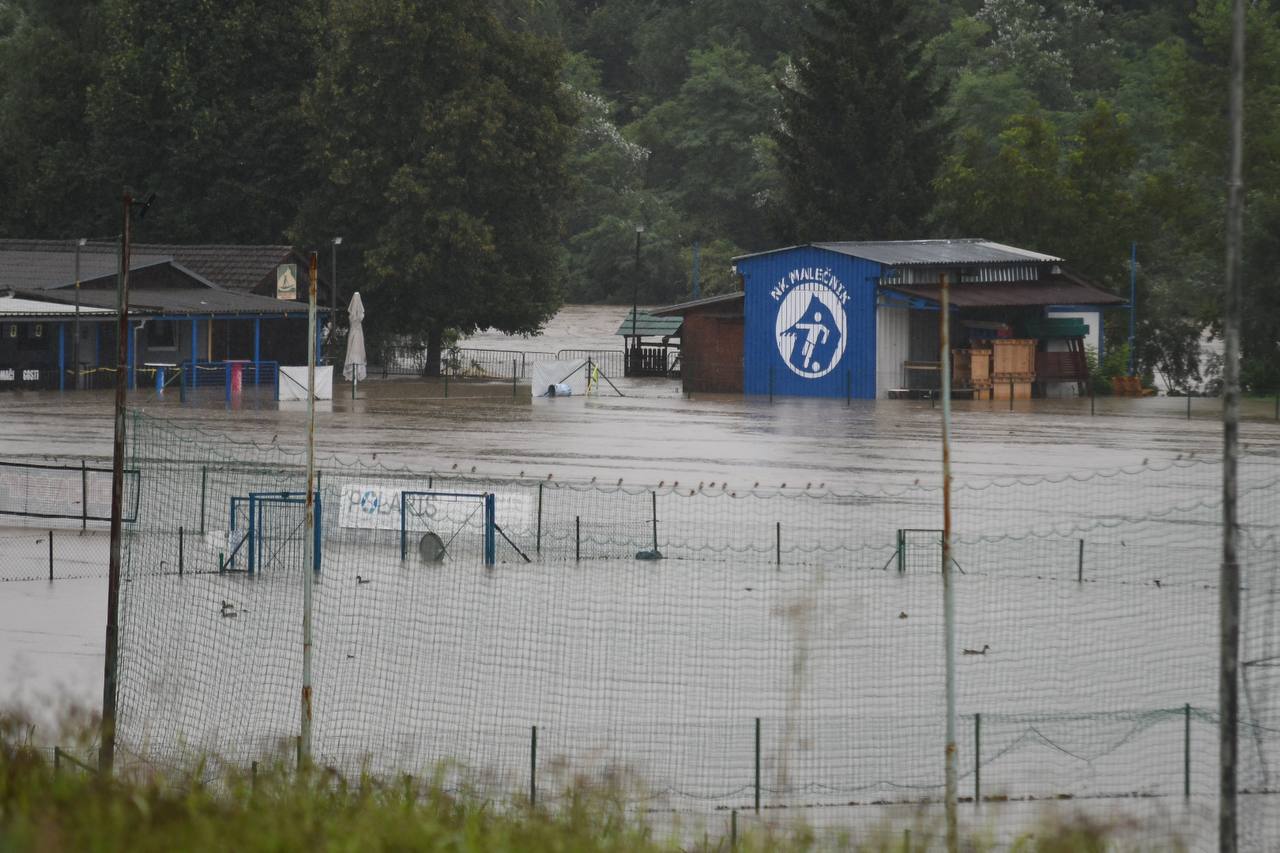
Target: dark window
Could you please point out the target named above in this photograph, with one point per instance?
(161, 334)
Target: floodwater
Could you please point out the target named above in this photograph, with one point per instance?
(51, 633)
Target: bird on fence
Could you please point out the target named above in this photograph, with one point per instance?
(360, 580)
(902, 615)
(1157, 582)
(985, 648)
(229, 610)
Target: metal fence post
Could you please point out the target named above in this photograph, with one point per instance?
(1188, 405)
(1080, 562)
(577, 538)
(655, 521)
(977, 760)
(204, 476)
(513, 379)
(757, 785)
(181, 549)
(777, 544)
(1186, 751)
(533, 767)
(538, 543)
(50, 555)
(84, 496)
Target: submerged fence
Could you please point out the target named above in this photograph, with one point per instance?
(703, 644)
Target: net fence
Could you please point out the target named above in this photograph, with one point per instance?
(707, 645)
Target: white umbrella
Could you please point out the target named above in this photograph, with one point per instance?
(354, 367)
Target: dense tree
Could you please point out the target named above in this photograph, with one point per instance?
(49, 59)
(861, 140)
(441, 137)
(199, 103)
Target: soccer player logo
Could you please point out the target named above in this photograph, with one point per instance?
(811, 330)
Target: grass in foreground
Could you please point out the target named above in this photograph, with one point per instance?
(45, 809)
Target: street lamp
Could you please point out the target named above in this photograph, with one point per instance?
(635, 303)
(75, 343)
(333, 292)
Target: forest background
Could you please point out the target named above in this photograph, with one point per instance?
(486, 162)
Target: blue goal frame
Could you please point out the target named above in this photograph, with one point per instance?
(490, 543)
(253, 534)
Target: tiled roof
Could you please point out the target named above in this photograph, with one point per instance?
(182, 302)
(906, 253)
(51, 263)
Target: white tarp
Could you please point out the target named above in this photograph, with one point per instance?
(572, 372)
(354, 366)
(293, 382)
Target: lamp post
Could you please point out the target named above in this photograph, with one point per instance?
(75, 343)
(635, 303)
(333, 292)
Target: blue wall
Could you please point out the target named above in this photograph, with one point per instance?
(806, 285)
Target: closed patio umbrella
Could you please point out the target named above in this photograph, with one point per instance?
(354, 366)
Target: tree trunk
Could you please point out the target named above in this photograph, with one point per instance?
(435, 343)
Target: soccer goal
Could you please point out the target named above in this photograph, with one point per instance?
(448, 524)
(267, 528)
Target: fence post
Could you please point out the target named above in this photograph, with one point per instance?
(733, 830)
(1080, 563)
(57, 759)
(84, 496)
(1188, 405)
(577, 538)
(253, 778)
(757, 801)
(902, 552)
(204, 476)
(533, 767)
(977, 760)
(50, 555)
(513, 379)
(181, 549)
(446, 383)
(538, 544)
(770, 383)
(777, 544)
(848, 388)
(1011, 395)
(655, 521)
(1091, 397)
(222, 562)
(1186, 751)
(182, 383)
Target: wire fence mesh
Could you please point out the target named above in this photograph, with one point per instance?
(707, 645)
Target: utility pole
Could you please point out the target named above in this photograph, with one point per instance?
(308, 565)
(333, 294)
(1228, 671)
(635, 307)
(948, 584)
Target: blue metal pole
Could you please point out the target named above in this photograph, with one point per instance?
(195, 350)
(489, 543)
(62, 356)
(257, 349)
(1133, 302)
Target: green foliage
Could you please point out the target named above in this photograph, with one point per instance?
(441, 139)
(860, 141)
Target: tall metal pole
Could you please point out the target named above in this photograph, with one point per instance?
(107, 747)
(75, 343)
(635, 302)
(948, 591)
(333, 294)
(304, 745)
(1228, 692)
(1133, 306)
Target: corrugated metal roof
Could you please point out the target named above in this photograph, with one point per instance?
(1059, 290)
(649, 326)
(678, 309)
(904, 253)
(18, 306)
(193, 302)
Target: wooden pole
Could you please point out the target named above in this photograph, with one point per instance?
(308, 564)
(948, 586)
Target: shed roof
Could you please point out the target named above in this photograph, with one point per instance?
(1062, 289)
(649, 326)
(679, 309)
(906, 253)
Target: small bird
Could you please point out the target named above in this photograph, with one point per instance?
(749, 588)
(1157, 583)
(548, 476)
(902, 615)
(783, 486)
(473, 469)
(619, 481)
(808, 486)
(713, 485)
(975, 651)
(757, 485)
(454, 466)
(227, 605)
(360, 580)
(676, 483)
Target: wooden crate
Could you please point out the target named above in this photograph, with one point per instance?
(1013, 356)
(960, 374)
(979, 365)
(1020, 390)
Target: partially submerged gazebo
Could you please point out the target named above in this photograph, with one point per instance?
(646, 356)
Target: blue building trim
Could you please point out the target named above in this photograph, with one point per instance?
(810, 323)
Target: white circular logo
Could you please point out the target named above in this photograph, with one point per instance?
(810, 330)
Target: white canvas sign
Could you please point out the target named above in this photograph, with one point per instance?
(371, 506)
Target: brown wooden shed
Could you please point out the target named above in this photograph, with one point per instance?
(711, 342)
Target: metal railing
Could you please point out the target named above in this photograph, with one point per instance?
(460, 362)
